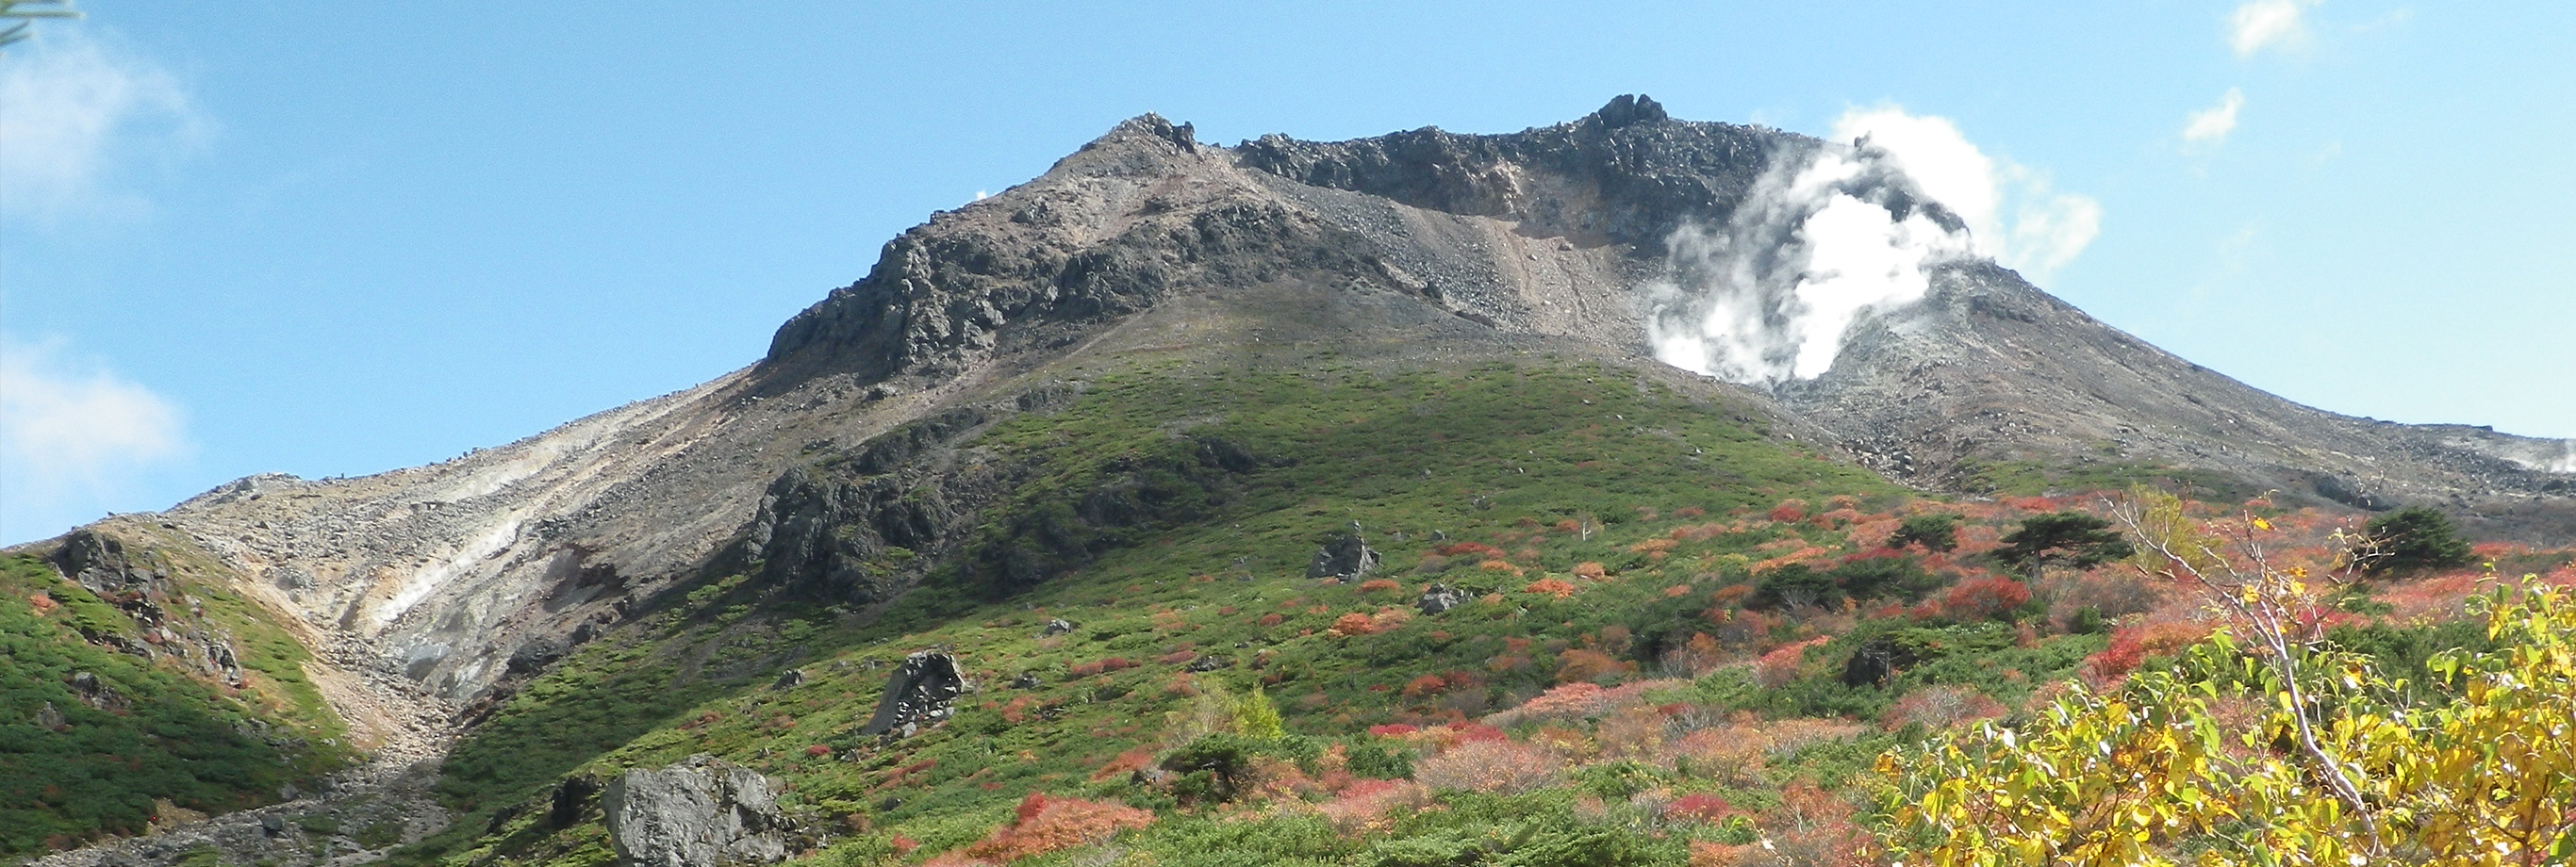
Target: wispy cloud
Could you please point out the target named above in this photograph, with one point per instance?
(2211, 125)
(2260, 24)
(73, 437)
(72, 111)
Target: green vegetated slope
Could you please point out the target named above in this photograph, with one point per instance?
(1662, 601)
(92, 736)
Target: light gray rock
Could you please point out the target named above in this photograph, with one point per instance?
(1440, 597)
(701, 812)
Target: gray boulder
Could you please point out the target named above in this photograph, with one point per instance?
(921, 692)
(702, 812)
(1440, 597)
(1346, 556)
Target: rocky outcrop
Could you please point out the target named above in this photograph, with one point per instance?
(702, 812)
(1346, 557)
(1101, 236)
(1438, 598)
(1627, 174)
(921, 692)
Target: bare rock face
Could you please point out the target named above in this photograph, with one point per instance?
(702, 812)
(921, 692)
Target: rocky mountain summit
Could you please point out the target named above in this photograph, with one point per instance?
(1420, 244)
(847, 464)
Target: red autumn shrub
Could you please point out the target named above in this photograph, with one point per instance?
(1391, 730)
(1468, 549)
(818, 751)
(1594, 571)
(1983, 599)
(1271, 620)
(1697, 807)
(1043, 824)
(1780, 666)
(1364, 804)
(1499, 565)
(1177, 657)
(1378, 585)
(2131, 645)
(1426, 686)
(1789, 511)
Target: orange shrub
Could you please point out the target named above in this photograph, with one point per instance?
(1378, 585)
(1551, 587)
(1353, 623)
(1500, 565)
(1467, 549)
(1594, 571)
(1579, 665)
(1043, 825)
(1789, 511)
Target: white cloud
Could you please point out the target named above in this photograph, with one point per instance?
(72, 437)
(71, 111)
(2259, 24)
(2211, 125)
(2013, 215)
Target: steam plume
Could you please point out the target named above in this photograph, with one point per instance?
(1820, 244)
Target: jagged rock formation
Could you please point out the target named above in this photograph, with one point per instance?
(702, 812)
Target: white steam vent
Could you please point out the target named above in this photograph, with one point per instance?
(1814, 248)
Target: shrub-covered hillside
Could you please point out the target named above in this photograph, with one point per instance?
(172, 698)
(1674, 638)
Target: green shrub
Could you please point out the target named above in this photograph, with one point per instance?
(2413, 540)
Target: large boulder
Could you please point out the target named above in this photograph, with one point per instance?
(921, 692)
(702, 812)
(1346, 557)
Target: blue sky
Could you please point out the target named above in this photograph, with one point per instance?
(342, 238)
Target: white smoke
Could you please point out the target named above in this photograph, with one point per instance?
(1854, 230)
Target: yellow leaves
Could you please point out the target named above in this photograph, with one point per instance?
(2263, 525)
(2136, 777)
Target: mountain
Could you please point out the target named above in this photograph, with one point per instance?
(1043, 382)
